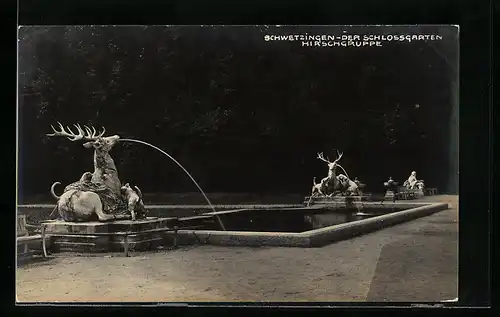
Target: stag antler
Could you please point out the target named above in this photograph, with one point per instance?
(339, 156)
(88, 134)
(321, 157)
(92, 133)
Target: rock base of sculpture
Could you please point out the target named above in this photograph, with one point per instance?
(407, 194)
(430, 191)
(90, 237)
(334, 199)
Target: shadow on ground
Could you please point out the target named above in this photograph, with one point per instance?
(417, 268)
(36, 260)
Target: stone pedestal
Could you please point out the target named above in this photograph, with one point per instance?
(389, 195)
(141, 235)
(419, 193)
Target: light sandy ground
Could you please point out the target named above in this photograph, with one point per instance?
(414, 261)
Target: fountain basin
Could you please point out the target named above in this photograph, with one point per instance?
(314, 226)
(361, 220)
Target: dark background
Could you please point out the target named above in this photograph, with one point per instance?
(241, 114)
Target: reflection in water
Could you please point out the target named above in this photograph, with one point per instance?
(331, 219)
(295, 220)
(290, 220)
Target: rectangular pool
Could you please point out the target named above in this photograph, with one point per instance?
(302, 227)
(293, 220)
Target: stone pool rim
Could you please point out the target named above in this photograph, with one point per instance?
(316, 237)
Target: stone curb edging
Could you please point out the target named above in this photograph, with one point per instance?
(323, 236)
(313, 238)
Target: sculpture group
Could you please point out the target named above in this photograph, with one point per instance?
(341, 185)
(333, 184)
(98, 195)
(413, 183)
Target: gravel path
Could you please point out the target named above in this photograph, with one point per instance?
(414, 261)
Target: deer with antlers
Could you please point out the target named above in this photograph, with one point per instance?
(81, 201)
(104, 166)
(331, 180)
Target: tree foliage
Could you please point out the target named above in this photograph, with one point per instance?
(240, 113)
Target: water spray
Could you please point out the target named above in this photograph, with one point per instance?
(182, 167)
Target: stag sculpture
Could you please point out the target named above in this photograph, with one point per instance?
(331, 180)
(101, 195)
(105, 171)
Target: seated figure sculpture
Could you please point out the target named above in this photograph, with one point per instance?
(413, 183)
